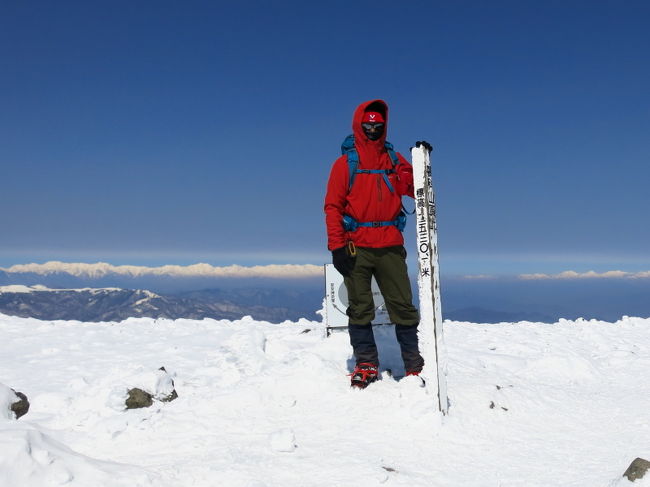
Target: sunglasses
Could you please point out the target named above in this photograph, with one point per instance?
(372, 126)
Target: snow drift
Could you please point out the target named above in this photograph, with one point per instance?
(263, 404)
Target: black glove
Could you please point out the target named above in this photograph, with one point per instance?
(343, 261)
(425, 144)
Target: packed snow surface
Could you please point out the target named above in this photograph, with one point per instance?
(265, 405)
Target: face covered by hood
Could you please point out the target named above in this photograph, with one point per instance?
(360, 137)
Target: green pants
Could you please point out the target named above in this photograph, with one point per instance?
(388, 265)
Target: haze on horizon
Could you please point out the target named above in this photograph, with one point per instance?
(157, 134)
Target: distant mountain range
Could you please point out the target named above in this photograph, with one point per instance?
(98, 292)
(113, 304)
(168, 279)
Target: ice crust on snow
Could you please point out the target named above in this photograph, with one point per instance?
(267, 405)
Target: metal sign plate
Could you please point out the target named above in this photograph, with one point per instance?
(336, 297)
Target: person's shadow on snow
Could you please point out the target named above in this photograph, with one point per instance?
(390, 357)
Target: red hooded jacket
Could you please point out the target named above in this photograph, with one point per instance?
(370, 199)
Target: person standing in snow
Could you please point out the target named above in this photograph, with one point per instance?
(365, 241)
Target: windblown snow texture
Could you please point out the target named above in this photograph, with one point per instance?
(270, 405)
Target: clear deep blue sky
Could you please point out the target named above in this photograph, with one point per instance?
(181, 132)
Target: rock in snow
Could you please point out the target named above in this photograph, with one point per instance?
(21, 406)
(12, 404)
(637, 469)
(251, 392)
(157, 385)
(137, 398)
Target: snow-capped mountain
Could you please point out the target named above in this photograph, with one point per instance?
(114, 304)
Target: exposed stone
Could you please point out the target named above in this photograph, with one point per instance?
(637, 469)
(172, 395)
(20, 407)
(138, 399)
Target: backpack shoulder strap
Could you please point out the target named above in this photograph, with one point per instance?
(391, 153)
(347, 148)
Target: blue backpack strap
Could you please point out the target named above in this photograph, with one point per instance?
(383, 172)
(391, 152)
(394, 159)
(352, 225)
(347, 147)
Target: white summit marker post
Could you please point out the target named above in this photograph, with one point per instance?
(432, 345)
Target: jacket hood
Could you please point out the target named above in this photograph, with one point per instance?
(359, 136)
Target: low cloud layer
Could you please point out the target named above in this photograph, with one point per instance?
(588, 275)
(274, 271)
(566, 275)
(102, 269)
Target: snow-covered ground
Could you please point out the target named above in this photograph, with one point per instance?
(263, 405)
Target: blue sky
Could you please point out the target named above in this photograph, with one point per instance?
(151, 133)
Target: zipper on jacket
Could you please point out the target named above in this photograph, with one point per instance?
(379, 187)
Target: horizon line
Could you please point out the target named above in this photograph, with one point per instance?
(273, 271)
